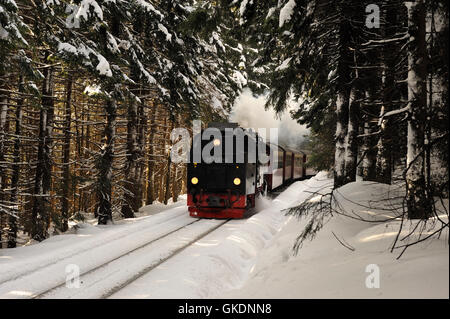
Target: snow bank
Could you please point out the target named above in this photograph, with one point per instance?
(324, 268)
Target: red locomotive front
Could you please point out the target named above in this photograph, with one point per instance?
(225, 180)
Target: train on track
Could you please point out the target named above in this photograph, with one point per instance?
(227, 187)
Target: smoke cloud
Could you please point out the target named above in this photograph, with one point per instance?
(249, 112)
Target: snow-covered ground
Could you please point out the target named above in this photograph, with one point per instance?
(324, 268)
(224, 259)
(249, 258)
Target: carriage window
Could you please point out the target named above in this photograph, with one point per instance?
(280, 159)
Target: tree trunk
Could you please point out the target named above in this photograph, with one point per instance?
(167, 181)
(351, 140)
(131, 204)
(13, 221)
(76, 200)
(389, 93)
(370, 143)
(41, 212)
(384, 146)
(370, 157)
(84, 140)
(169, 162)
(66, 158)
(418, 201)
(342, 102)
(105, 165)
(142, 129)
(150, 165)
(175, 188)
(3, 122)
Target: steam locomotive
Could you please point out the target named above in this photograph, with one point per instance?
(227, 185)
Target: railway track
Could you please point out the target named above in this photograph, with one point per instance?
(110, 277)
(139, 243)
(126, 233)
(151, 267)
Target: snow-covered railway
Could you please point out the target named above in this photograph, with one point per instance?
(109, 278)
(110, 263)
(13, 273)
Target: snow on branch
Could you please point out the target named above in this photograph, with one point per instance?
(384, 41)
(394, 112)
(286, 12)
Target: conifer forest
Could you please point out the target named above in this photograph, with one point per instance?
(91, 91)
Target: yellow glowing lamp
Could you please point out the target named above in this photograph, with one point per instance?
(194, 180)
(216, 142)
(237, 181)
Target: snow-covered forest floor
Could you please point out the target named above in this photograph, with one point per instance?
(324, 268)
(249, 258)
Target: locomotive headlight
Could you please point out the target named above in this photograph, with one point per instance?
(237, 181)
(216, 142)
(194, 180)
